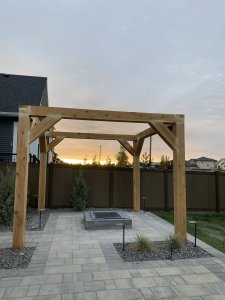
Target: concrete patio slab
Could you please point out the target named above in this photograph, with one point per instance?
(72, 263)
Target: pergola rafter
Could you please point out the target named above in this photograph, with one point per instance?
(38, 121)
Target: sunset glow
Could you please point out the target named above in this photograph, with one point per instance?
(82, 162)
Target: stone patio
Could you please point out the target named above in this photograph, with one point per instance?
(72, 263)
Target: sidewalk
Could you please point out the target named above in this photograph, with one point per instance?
(72, 263)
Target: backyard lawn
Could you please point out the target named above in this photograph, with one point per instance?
(210, 227)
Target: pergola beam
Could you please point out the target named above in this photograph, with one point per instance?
(43, 126)
(49, 116)
(127, 146)
(101, 115)
(54, 143)
(165, 133)
(89, 136)
(145, 133)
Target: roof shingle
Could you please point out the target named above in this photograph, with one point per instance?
(18, 90)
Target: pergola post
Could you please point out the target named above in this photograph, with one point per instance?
(136, 183)
(137, 145)
(42, 172)
(44, 118)
(179, 182)
(20, 202)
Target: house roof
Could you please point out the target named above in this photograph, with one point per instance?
(203, 159)
(18, 90)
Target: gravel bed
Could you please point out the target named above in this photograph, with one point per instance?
(33, 220)
(161, 253)
(15, 259)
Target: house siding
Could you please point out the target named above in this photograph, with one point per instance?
(6, 135)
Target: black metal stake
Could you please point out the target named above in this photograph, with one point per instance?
(40, 211)
(195, 223)
(195, 233)
(144, 199)
(40, 219)
(123, 237)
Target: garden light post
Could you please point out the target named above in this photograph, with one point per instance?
(195, 223)
(144, 199)
(123, 226)
(40, 211)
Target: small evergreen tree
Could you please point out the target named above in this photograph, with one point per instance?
(122, 158)
(79, 193)
(7, 188)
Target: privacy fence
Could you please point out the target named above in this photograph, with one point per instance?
(112, 187)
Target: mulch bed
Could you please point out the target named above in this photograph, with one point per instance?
(162, 252)
(15, 259)
(33, 221)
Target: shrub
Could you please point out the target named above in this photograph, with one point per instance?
(142, 243)
(174, 243)
(79, 193)
(7, 188)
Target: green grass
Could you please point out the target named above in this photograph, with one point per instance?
(210, 227)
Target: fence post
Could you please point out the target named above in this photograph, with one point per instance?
(166, 189)
(111, 186)
(217, 191)
(50, 183)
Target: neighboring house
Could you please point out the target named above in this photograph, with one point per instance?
(221, 164)
(18, 90)
(203, 163)
(191, 165)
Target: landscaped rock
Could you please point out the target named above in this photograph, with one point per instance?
(10, 259)
(162, 252)
(32, 222)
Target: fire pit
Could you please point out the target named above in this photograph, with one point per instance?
(105, 219)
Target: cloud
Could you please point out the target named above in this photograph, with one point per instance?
(150, 56)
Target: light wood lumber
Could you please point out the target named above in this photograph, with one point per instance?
(179, 183)
(127, 146)
(145, 133)
(42, 172)
(95, 136)
(43, 126)
(165, 133)
(54, 143)
(102, 115)
(138, 146)
(20, 202)
(136, 181)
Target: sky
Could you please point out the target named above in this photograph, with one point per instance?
(128, 55)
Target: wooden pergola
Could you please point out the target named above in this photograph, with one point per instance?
(37, 122)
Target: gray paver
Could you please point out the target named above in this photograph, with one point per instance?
(13, 292)
(201, 278)
(134, 283)
(41, 279)
(86, 296)
(67, 296)
(110, 284)
(71, 263)
(130, 294)
(93, 286)
(163, 292)
(192, 290)
(33, 290)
